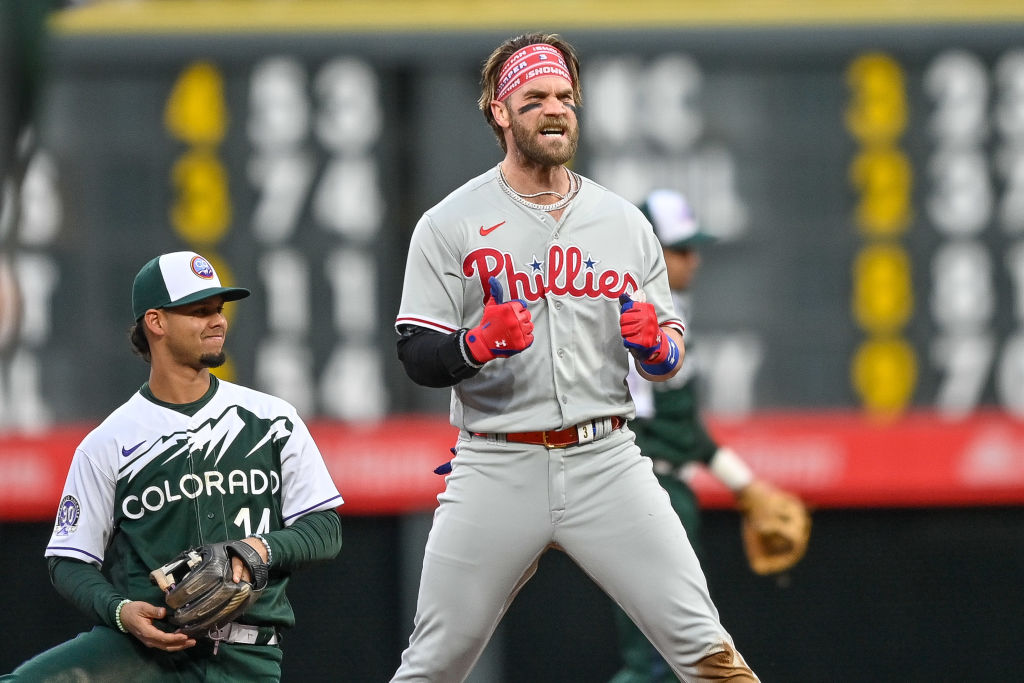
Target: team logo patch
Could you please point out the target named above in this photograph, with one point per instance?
(68, 514)
(202, 268)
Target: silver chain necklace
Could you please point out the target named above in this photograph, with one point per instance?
(574, 188)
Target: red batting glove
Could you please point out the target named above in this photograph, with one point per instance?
(641, 333)
(505, 329)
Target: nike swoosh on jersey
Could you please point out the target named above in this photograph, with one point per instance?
(484, 232)
(128, 451)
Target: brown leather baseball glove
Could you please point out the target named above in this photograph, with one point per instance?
(775, 526)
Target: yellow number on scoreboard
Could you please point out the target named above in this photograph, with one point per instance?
(884, 373)
(877, 113)
(883, 296)
(196, 112)
(201, 212)
(883, 176)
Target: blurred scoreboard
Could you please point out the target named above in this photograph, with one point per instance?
(866, 184)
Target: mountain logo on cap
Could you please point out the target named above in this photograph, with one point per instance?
(202, 268)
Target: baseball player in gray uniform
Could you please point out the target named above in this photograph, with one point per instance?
(187, 460)
(525, 290)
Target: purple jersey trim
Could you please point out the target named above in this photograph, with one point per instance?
(312, 507)
(76, 550)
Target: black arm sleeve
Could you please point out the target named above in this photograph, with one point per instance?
(82, 584)
(434, 359)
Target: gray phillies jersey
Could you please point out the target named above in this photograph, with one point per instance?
(569, 273)
(155, 479)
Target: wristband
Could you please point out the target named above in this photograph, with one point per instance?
(667, 365)
(465, 354)
(117, 615)
(730, 469)
(270, 553)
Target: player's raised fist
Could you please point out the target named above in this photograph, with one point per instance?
(641, 333)
(505, 329)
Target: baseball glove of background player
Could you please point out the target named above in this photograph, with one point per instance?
(775, 527)
(199, 589)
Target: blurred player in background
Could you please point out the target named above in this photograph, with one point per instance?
(517, 294)
(23, 38)
(188, 460)
(669, 430)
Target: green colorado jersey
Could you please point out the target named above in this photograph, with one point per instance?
(154, 479)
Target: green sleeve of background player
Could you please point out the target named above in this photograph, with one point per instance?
(311, 538)
(84, 586)
(676, 433)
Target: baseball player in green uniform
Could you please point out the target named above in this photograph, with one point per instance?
(523, 293)
(668, 425)
(188, 460)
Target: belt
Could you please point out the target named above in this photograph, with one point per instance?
(245, 634)
(584, 432)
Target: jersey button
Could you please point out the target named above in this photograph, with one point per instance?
(561, 353)
(565, 399)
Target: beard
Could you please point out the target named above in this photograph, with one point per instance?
(212, 360)
(535, 150)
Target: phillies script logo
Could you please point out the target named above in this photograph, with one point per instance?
(565, 272)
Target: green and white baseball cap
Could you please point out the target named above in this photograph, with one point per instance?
(673, 220)
(183, 277)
